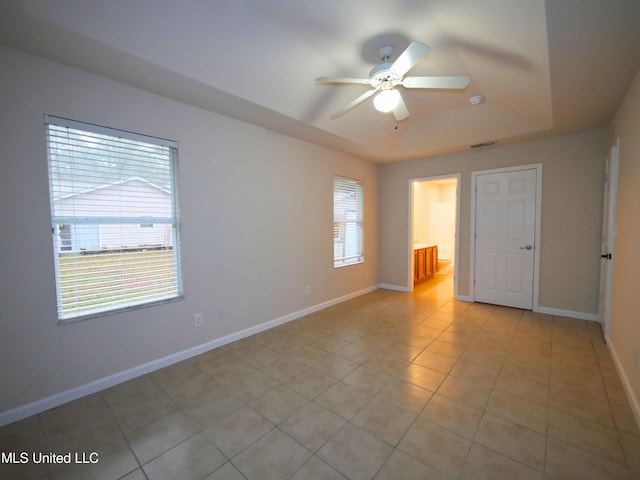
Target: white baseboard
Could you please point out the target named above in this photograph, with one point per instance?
(631, 396)
(33, 408)
(395, 288)
(592, 317)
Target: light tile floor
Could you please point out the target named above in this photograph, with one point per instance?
(387, 386)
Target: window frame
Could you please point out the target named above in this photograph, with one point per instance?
(341, 223)
(114, 306)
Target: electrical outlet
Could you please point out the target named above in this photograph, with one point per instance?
(197, 320)
(221, 315)
(307, 290)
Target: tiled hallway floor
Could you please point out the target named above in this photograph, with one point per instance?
(387, 386)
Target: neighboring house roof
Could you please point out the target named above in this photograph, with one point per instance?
(70, 189)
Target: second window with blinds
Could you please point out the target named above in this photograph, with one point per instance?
(348, 221)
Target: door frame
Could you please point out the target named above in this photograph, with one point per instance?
(609, 233)
(456, 264)
(538, 217)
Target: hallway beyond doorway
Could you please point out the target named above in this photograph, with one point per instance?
(439, 286)
(434, 224)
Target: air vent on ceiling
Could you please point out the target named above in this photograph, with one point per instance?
(484, 144)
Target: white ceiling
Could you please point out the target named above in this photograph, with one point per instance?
(544, 68)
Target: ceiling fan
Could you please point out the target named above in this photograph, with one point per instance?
(386, 76)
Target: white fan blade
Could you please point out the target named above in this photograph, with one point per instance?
(354, 103)
(409, 58)
(400, 112)
(436, 82)
(359, 81)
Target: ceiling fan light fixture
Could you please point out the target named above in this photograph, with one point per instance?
(386, 100)
(384, 77)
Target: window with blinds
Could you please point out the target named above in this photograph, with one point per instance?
(348, 220)
(114, 216)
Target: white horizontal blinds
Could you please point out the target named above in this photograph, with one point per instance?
(114, 218)
(348, 217)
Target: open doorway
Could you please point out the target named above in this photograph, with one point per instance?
(434, 227)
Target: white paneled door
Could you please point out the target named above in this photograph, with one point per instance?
(505, 223)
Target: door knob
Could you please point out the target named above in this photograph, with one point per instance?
(526, 247)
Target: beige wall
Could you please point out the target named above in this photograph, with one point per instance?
(256, 230)
(572, 189)
(625, 312)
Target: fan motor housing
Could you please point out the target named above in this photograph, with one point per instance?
(381, 76)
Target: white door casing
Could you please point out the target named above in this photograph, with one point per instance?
(505, 236)
(608, 238)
